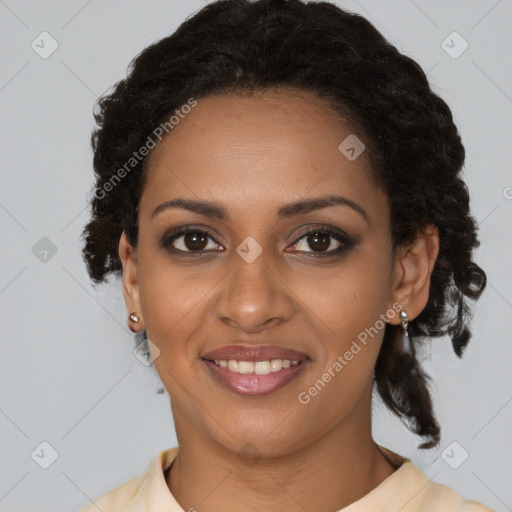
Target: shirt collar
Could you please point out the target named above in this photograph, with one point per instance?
(153, 492)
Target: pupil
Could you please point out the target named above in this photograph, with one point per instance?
(197, 241)
(313, 240)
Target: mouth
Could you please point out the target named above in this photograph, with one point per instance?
(256, 370)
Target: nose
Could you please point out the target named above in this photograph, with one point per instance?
(253, 296)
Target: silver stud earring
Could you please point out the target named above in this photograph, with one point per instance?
(133, 317)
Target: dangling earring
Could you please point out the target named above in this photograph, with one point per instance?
(406, 340)
(404, 322)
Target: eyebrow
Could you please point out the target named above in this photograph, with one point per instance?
(301, 207)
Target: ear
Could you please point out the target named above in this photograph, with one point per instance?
(412, 269)
(128, 256)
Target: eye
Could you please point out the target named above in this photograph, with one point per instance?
(324, 241)
(189, 239)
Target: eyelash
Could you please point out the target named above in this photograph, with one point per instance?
(346, 241)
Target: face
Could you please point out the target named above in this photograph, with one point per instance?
(269, 280)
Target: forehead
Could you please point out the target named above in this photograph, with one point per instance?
(250, 151)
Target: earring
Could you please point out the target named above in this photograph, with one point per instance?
(404, 322)
(406, 340)
(133, 317)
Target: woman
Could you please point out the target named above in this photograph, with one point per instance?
(281, 191)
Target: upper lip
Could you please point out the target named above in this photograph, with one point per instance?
(253, 353)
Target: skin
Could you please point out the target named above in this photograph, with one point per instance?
(252, 155)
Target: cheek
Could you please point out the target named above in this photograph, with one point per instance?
(171, 294)
(346, 300)
(347, 307)
(174, 308)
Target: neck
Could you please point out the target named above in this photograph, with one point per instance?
(208, 477)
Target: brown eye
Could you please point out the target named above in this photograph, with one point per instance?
(195, 241)
(189, 240)
(319, 241)
(324, 242)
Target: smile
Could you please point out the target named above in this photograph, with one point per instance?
(254, 378)
(258, 367)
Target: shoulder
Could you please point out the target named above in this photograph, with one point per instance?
(431, 496)
(141, 490)
(408, 489)
(116, 498)
(440, 495)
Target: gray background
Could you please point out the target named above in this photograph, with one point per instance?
(68, 375)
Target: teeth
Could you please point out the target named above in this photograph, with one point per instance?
(245, 367)
(262, 367)
(258, 367)
(276, 365)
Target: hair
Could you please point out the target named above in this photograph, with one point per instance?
(416, 153)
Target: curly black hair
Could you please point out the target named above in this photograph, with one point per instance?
(416, 153)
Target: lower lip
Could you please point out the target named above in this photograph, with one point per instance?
(252, 384)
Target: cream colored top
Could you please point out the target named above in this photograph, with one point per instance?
(405, 490)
